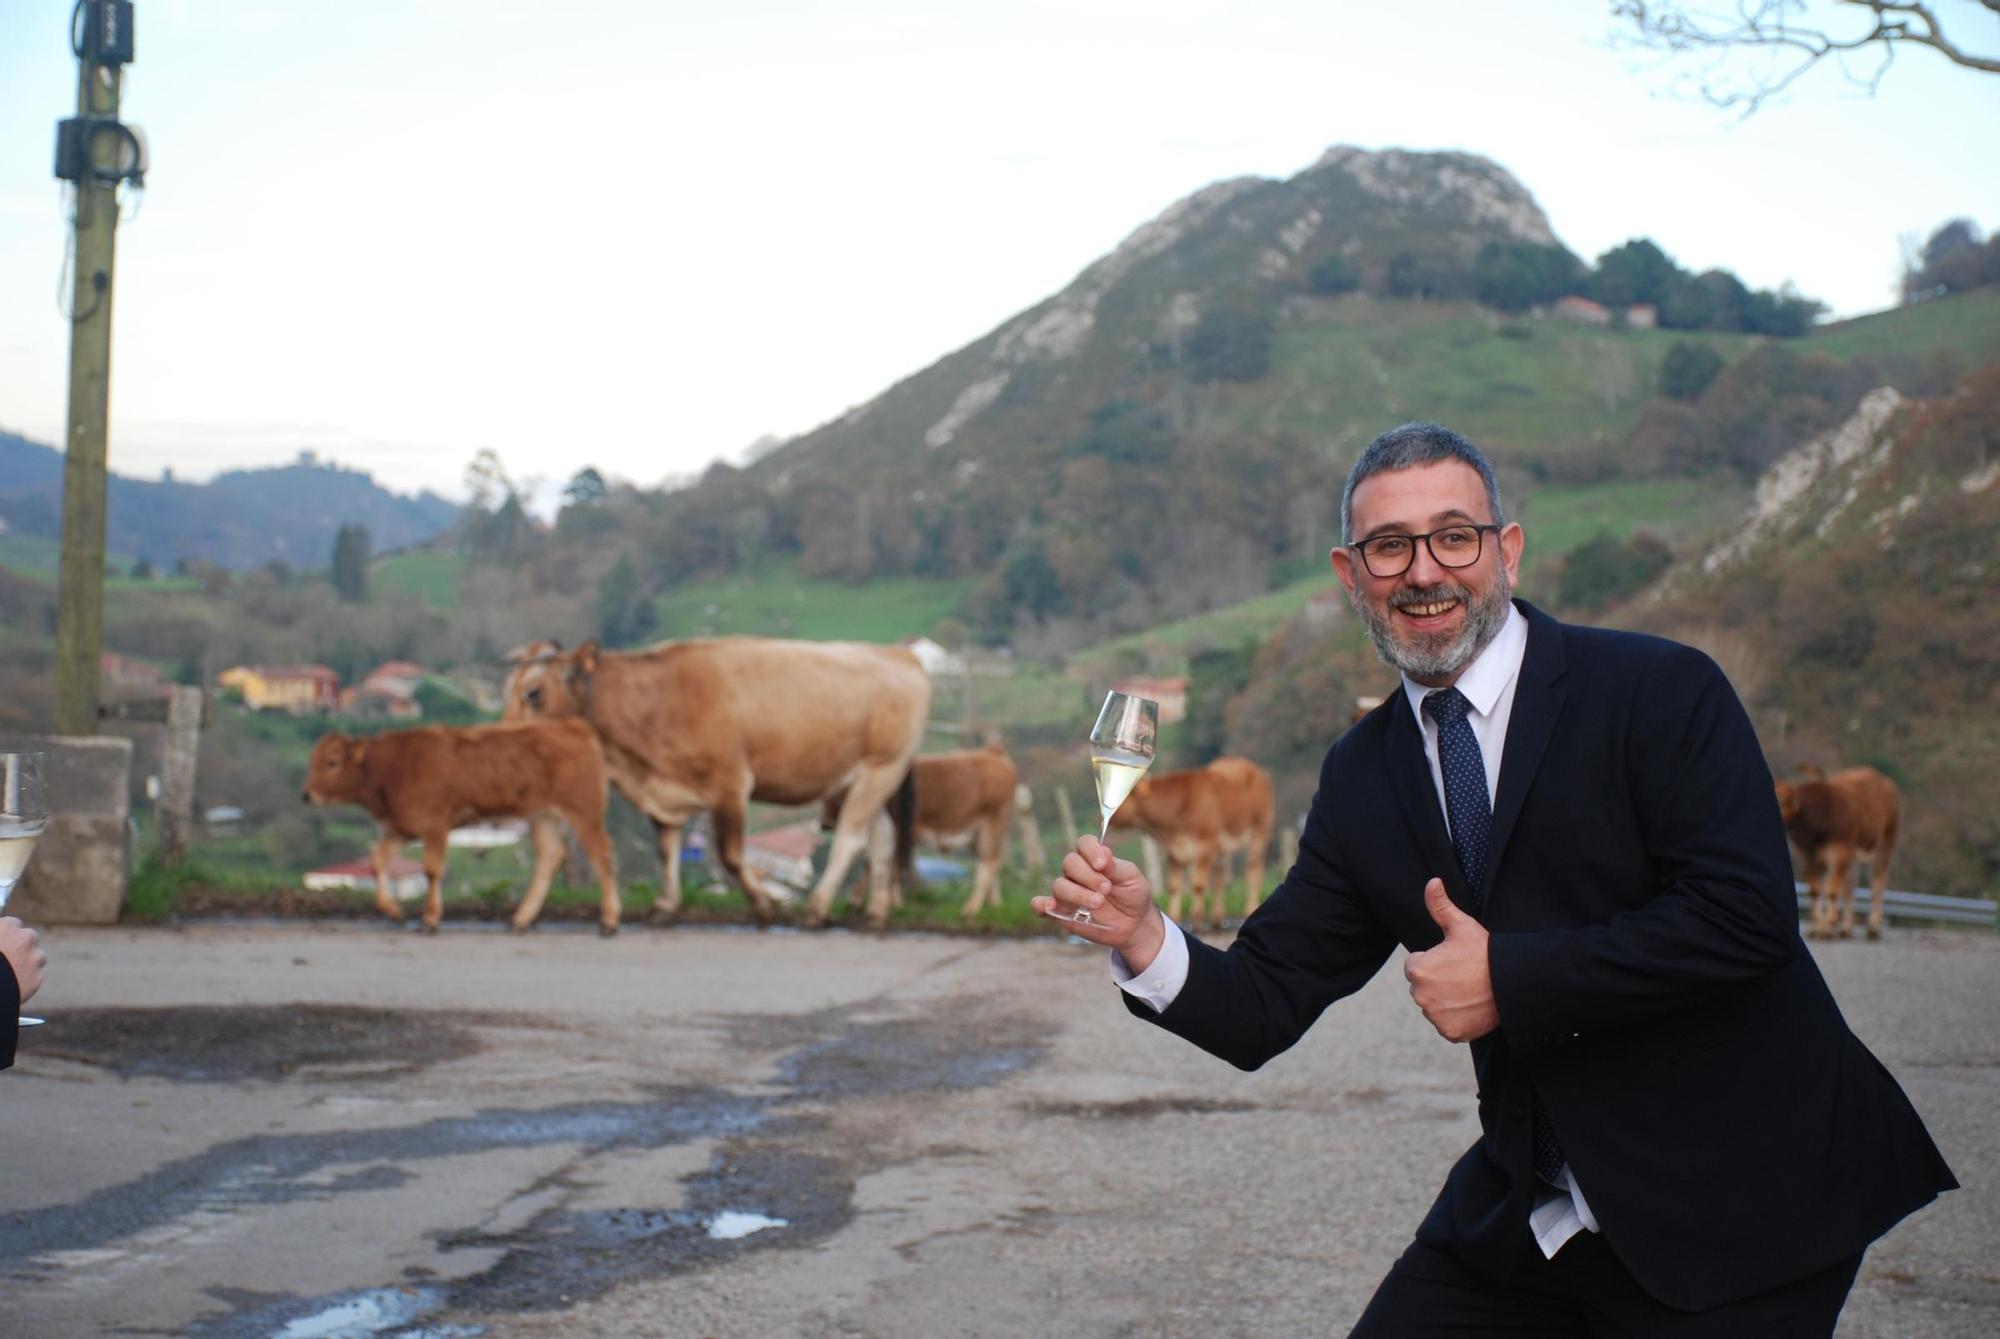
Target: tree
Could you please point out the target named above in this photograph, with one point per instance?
(350, 562)
(1637, 271)
(1786, 38)
(624, 611)
(586, 489)
(1515, 276)
(1687, 370)
(1332, 276)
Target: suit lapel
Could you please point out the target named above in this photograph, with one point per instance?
(1538, 700)
(1410, 775)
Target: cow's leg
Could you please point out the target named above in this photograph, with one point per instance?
(1205, 904)
(386, 846)
(435, 844)
(727, 820)
(991, 846)
(1840, 873)
(1878, 877)
(668, 904)
(1817, 896)
(1176, 876)
(1253, 871)
(548, 842)
(596, 843)
(865, 798)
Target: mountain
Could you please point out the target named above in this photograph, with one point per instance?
(1168, 433)
(241, 519)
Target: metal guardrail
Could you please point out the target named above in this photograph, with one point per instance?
(1899, 905)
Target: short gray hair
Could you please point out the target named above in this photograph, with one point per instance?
(1415, 444)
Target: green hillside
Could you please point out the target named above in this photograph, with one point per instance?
(777, 602)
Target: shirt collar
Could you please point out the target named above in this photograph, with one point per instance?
(1490, 672)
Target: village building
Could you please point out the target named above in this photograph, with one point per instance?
(300, 690)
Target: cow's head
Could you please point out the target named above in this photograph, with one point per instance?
(334, 772)
(547, 682)
(1788, 800)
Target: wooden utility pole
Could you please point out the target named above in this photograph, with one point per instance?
(102, 154)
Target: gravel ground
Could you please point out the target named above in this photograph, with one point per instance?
(345, 1130)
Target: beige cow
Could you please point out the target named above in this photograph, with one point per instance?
(715, 723)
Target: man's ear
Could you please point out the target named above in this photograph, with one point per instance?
(1342, 559)
(1513, 541)
(586, 656)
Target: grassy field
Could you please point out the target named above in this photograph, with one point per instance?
(434, 576)
(1351, 366)
(778, 602)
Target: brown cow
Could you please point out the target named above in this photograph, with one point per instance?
(420, 784)
(966, 797)
(1835, 822)
(1201, 817)
(715, 723)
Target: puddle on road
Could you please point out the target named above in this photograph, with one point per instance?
(232, 1044)
(733, 1223)
(769, 1187)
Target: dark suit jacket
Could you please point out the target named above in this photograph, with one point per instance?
(10, 1010)
(1729, 1131)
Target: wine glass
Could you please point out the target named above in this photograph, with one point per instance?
(24, 812)
(1121, 749)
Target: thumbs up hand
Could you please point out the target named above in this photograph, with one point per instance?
(1451, 983)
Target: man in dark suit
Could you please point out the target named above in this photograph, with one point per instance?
(1574, 834)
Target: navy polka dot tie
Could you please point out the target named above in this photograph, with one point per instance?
(1470, 809)
(1465, 800)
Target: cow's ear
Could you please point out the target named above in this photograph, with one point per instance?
(586, 656)
(357, 749)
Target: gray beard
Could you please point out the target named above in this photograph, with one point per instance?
(1436, 658)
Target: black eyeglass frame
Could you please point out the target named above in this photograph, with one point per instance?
(1478, 547)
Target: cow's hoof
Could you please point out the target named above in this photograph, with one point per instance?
(427, 928)
(605, 931)
(519, 927)
(807, 922)
(1874, 932)
(661, 916)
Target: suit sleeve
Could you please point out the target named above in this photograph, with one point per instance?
(1313, 941)
(10, 1012)
(1724, 911)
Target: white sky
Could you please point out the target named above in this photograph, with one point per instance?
(640, 234)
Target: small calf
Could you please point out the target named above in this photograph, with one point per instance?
(420, 784)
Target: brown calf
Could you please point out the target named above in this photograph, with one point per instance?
(420, 784)
(1201, 817)
(1835, 822)
(965, 797)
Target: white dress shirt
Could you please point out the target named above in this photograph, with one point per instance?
(1488, 684)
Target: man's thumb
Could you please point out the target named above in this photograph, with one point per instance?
(1443, 910)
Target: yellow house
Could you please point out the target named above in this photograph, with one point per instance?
(298, 689)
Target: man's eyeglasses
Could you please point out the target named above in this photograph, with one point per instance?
(1453, 546)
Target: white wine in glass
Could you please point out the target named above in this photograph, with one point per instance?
(24, 812)
(1121, 749)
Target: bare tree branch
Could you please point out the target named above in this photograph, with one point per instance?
(1786, 38)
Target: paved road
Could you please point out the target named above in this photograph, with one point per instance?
(345, 1130)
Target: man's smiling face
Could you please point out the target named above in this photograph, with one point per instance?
(1430, 620)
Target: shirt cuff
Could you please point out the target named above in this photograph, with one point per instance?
(1162, 980)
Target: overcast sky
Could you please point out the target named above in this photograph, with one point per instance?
(641, 234)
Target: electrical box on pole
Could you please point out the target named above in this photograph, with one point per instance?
(96, 153)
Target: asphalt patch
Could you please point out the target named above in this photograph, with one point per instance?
(271, 1043)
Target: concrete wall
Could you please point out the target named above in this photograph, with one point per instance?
(81, 864)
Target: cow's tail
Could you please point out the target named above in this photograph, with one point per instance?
(903, 813)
